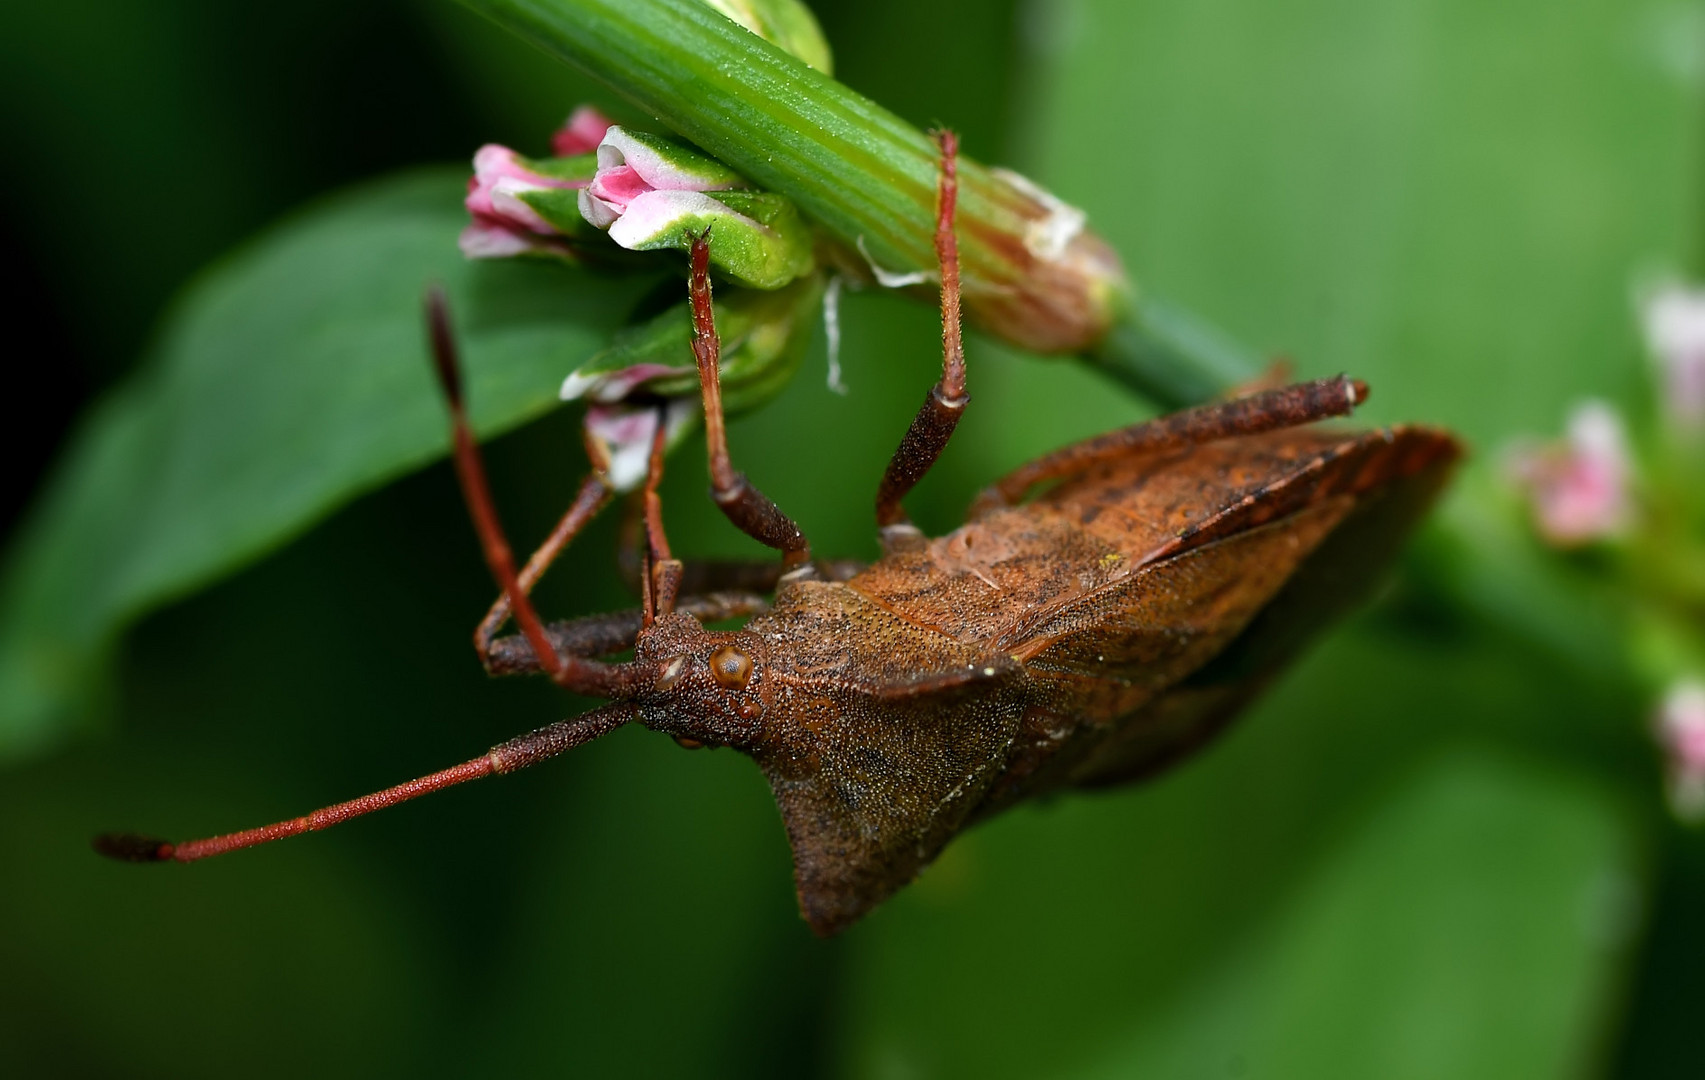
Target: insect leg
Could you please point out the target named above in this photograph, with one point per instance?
(517, 753)
(593, 496)
(662, 578)
(615, 631)
(700, 576)
(945, 404)
(572, 672)
(1270, 410)
(749, 509)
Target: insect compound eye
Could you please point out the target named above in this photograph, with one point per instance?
(731, 668)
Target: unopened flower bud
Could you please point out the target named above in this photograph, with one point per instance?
(651, 194)
(516, 204)
(1680, 731)
(581, 132)
(787, 24)
(1579, 488)
(1673, 317)
(764, 334)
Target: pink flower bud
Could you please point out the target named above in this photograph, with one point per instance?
(581, 132)
(649, 176)
(503, 224)
(1680, 731)
(1673, 317)
(1579, 487)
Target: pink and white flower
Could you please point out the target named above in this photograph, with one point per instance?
(1680, 731)
(644, 182)
(1673, 317)
(1580, 487)
(625, 432)
(503, 224)
(613, 386)
(581, 132)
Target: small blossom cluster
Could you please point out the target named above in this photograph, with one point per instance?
(641, 192)
(1579, 488)
(1589, 489)
(1674, 322)
(1680, 731)
(504, 222)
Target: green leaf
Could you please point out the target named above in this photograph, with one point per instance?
(1462, 930)
(290, 378)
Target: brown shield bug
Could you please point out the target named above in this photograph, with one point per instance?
(1088, 636)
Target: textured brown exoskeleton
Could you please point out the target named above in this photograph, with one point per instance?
(1090, 636)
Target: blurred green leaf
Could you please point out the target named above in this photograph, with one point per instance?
(1451, 201)
(290, 378)
(1463, 929)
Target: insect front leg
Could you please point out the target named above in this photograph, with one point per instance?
(611, 632)
(662, 571)
(593, 496)
(749, 509)
(934, 423)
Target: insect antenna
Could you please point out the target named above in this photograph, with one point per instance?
(517, 753)
(572, 672)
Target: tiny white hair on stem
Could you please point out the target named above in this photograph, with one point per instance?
(832, 332)
(894, 279)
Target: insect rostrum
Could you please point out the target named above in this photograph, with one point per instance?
(1089, 636)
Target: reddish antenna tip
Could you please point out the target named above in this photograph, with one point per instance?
(133, 847)
(443, 344)
(1360, 390)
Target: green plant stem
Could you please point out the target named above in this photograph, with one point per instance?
(865, 175)
(1171, 357)
(855, 167)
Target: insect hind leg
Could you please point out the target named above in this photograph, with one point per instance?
(1269, 410)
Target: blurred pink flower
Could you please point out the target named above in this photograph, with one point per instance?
(1579, 487)
(1680, 730)
(581, 132)
(1673, 317)
(612, 386)
(503, 224)
(625, 433)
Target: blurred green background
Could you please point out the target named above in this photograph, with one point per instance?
(1437, 849)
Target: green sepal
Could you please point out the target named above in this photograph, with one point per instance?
(764, 335)
(707, 173)
(757, 238)
(560, 207)
(574, 167)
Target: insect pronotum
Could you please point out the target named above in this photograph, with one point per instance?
(1088, 636)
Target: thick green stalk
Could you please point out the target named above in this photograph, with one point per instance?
(857, 168)
(1031, 273)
